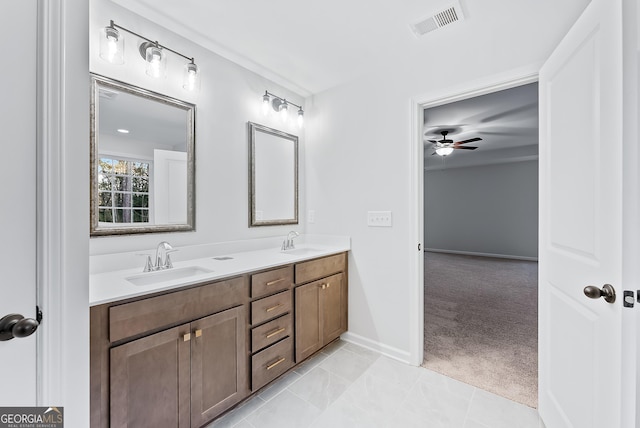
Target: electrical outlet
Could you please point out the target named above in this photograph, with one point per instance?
(379, 219)
(311, 217)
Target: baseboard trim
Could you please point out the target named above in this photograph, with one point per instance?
(386, 350)
(472, 253)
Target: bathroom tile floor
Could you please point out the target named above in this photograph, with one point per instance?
(348, 386)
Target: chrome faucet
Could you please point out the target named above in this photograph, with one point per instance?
(288, 244)
(162, 260)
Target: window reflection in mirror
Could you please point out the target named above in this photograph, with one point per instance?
(142, 158)
(273, 176)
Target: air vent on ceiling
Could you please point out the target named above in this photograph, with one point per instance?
(440, 19)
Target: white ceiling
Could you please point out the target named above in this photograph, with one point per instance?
(311, 46)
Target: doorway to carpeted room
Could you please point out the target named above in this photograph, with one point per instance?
(481, 323)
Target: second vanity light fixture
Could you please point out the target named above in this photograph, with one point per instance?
(281, 106)
(112, 50)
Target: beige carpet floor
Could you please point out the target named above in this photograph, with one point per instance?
(481, 323)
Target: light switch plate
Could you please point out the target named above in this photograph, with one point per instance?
(379, 219)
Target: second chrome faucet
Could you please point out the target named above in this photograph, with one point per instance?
(288, 244)
(162, 259)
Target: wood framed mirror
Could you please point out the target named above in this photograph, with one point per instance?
(142, 160)
(273, 176)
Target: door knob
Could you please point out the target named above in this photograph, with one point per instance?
(15, 325)
(607, 291)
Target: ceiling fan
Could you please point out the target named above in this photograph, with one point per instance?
(445, 147)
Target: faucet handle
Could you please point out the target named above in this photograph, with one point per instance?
(148, 266)
(167, 262)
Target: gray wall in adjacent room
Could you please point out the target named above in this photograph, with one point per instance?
(489, 209)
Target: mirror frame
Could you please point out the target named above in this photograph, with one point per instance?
(253, 221)
(98, 82)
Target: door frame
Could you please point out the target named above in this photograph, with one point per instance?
(507, 80)
(62, 201)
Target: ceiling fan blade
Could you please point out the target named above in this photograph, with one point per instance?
(470, 140)
(465, 148)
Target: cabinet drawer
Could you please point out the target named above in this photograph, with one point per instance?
(154, 313)
(271, 332)
(319, 268)
(271, 363)
(270, 307)
(271, 282)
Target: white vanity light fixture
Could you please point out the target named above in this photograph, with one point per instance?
(111, 45)
(191, 77)
(155, 55)
(281, 106)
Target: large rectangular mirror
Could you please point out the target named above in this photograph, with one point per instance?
(273, 176)
(142, 160)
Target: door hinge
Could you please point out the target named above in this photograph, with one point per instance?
(38, 314)
(627, 299)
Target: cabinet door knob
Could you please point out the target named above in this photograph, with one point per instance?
(186, 337)
(198, 332)
(323, 286)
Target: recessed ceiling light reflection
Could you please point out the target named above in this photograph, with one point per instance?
(123, 131)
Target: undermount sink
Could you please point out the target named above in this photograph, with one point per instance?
(302, 251)
(149, 278)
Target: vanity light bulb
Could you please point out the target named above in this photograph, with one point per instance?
(300, 118)
(156, 61)
(111, 46)
(191, 78)
(265, 104)
(284, 111)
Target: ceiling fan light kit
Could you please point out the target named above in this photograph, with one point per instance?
(445, 147)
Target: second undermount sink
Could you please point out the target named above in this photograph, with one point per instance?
(148, 278)
(305, 251)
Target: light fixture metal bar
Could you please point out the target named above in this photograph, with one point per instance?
(155, 42)
(283, 99)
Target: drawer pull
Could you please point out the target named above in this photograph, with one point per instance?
(273, 308)
(186, 337)
(274, 332)
(198, 333)
(275, 281)
(272, 365)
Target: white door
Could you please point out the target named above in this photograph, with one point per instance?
(18, 196)
(581, 229)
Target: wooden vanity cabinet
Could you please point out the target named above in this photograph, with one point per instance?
(182, 376)
(320, 305)
(183, 357)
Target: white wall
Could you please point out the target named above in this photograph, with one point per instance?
(489, 209)
(229, 97)
(360, 147)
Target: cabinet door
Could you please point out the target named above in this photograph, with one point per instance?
(219, 364)
(334, 308)
(308, 325)
(150, 381)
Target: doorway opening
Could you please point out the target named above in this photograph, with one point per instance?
(480, 240)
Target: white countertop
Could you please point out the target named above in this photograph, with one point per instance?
(108, 285)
